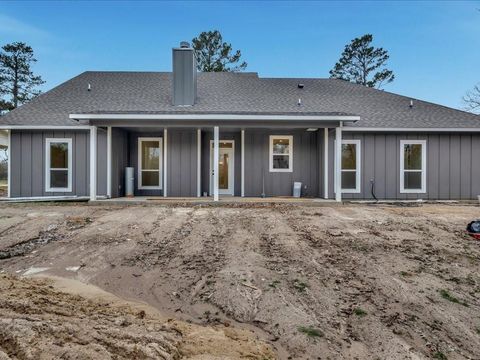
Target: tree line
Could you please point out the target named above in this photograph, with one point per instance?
(360, 62)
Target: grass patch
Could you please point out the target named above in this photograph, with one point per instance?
(440, 355)
(405, 273)
(359, 312)
(310, 331)
(300, 285)
(274, 284)
(447, 296)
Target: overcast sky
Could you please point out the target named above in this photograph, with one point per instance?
(434, 46)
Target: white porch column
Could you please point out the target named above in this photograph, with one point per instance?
(199, 162)
(93, 163)
(9, 164)
(243, 163)
(325, 163)
(215, 162)
(165, 165)
(109, 162)
(338, 163)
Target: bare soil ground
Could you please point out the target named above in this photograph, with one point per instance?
(357, 281)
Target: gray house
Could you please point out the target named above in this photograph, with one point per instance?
(187, 134)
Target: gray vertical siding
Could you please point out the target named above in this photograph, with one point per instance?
(453, 165)
(28, 162)
(182, 162)
(29, 157)
(120, 160)
(101, 162)
(305, 164)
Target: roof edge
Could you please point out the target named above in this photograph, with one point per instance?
(423, 129)
(139, 116)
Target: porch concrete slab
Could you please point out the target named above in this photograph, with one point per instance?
(224, 200)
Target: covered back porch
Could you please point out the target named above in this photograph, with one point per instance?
(212, 158)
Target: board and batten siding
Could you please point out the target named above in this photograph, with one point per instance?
(181, 161)
(28, 159)
(453, 165)
(305, 164)
(120, 160)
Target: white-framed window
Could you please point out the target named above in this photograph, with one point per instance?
(413, 166)
(281, 153)
(150, 163)
(350, 171)
(58, 165)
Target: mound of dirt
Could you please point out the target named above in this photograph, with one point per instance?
(37, 321)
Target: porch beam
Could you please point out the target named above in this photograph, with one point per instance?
(325, 163)
(243, 163)
(109, 162)
(199, 162)
(338, 163)
(165, 164)
(93, 163)
(215, 162)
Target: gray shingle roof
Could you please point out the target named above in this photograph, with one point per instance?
(233, 93)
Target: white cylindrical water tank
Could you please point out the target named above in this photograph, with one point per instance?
(129, 181)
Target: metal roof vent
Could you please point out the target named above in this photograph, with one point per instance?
(411, 104)
(301, 86)
(299, 103)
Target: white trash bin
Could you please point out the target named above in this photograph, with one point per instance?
(297, 189)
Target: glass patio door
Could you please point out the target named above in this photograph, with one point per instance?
(150, 163)
(225, 167)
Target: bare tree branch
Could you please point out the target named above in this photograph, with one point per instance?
(472, 100)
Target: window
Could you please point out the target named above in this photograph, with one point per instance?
(413, 158)
(150, 163)
(350, 166)
(281, 153)
(58, 165)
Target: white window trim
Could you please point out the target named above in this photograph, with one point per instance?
(160, 165)
(423, 170)
(290, 153)
(48, 142)
(358, 169)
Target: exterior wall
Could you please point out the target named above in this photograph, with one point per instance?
(120, 160)
(453, 165)
(305, 164)
(181, 161)
(28, 162)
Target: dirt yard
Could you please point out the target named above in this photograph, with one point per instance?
(352, 282)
